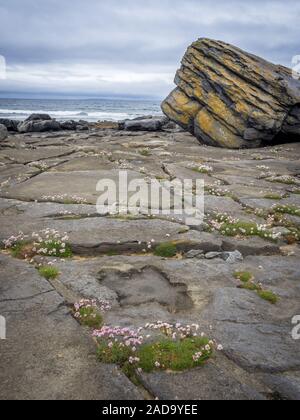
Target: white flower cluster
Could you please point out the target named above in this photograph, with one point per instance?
(47, 242)
(65, 198)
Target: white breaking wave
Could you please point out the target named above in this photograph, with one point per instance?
(68, 115)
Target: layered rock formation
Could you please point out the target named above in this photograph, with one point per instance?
(229, 98)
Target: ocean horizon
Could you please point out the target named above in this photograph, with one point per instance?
(90, 110)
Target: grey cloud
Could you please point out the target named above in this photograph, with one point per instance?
(131, 36)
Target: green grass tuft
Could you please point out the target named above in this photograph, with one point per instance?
(145, 152)
(173, 355)
(115, 355)
(90, 317)
(53, 249)
(166, 250)
(268, 296)
(244, 276)
(21, 250)
(240, 228)
(273, 196)
(49, 272)
(248, 283)
(250, 286)
(202, 170)
(292, 210)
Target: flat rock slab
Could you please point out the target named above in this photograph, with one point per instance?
(146, 288)
(206, 383)
(25, 156)
(253, 333)
(287, 386)
(268, 204)
(94, 235)
(59, 186)
(56, 356)
(84, 164)
(250, 246)
(47, 355)
(14, 174)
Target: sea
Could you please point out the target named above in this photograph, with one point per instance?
(79, 109)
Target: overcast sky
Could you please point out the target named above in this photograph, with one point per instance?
(130, 47)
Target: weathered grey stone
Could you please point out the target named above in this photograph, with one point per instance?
(232, 257)
(213, 255)
(47, 355)
(69, 125)
(250, 246)
(194, 253)
(143, 125)
(39, 117)
(207, 383)
(142, 287)
(285, 386)
(252, 334)
(3, 132)
(11, 125)
(25, 156)
(39, 126)
(205, 104)
(81, 127)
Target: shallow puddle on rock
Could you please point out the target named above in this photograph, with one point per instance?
(147, 286)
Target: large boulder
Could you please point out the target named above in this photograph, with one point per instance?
(39, 126)
(11, 125)
(74, 125)
(149, 124)
(39, 117)
(39, 123)
(3, 132)
(229, 98)
(69, 125)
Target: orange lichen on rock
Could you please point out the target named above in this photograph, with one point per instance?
(230, 98)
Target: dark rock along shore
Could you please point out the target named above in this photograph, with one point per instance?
(49, 179)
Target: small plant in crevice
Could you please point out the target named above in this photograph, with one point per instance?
(166, 250)
(243, 276)
(283, 179)
(42, 166)
(219, 192)
(268, 296)
(273, 196)
(180, 348)
(203, 169)
(90, 312)
(248, 283)
(287, 209)
(145, 152)
(45, 243)
(228, 226)
(64, 198)
(49, 272)
(292, 237)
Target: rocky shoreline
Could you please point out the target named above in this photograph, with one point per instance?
(120, 301)
(236, 275)
(41, 123)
